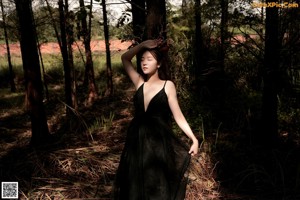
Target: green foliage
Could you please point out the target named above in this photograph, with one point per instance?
(180, 35)
(122, 32)
(106, 121)
(53, 68)
(102, 123)
(11, 20)
(4, 71)
(236, 97)
(11, 100)
(95, 126)
(44, 24)
(289, 118)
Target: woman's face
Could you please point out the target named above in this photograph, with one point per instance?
(149, 64)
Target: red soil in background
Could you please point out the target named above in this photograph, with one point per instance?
(53, 48)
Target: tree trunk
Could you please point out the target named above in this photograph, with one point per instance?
(89, 68)
(156, 19)
(270, 77)
(41, 63)
(43, 69)
(11, 72)
(67, 70)
(54, 26)
(199, 62)
(69, 19)
(32, 73)
(224, 31)
(138, 19)
(109, 90)
(138, 25)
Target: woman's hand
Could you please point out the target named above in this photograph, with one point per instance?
(150, 44)
(194, 148)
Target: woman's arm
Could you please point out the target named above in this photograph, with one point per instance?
(128, 55)
(179, 117)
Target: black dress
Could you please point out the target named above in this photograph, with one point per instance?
(154, 160)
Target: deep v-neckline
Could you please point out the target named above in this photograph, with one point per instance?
(144, 104)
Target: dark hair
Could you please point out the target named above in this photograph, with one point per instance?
(160, 54)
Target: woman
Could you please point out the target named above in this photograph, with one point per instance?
(154, 160)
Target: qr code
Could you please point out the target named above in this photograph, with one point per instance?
(9, 190)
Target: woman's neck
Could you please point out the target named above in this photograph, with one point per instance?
(153, 78)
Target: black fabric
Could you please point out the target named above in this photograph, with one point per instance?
(154, 160)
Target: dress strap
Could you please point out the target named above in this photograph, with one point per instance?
(165, 83)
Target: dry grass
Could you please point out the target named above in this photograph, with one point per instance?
(75, 173)
(202, 184)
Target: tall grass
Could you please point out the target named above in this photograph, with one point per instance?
(53, 67)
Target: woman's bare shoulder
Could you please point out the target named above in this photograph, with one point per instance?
(170, 87)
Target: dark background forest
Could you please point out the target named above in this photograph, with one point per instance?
(64, 113)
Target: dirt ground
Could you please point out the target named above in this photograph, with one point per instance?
(51, 47)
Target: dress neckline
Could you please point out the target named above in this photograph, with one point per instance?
(144, 104)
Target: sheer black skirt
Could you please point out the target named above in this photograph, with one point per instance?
(153, 163)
